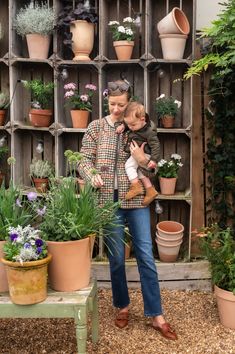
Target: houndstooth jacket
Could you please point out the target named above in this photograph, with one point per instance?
(105, 152)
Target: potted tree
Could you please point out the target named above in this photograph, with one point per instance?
(42, 97)
(80, 104)
(26, 260)
(4, 103)
(70, 225)
(168, 172)
(36, 22)
(77, 25)
(219, 247)
(40, 172)
(123, 37)
(167, 109)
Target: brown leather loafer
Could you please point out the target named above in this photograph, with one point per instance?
(121, 319)
(166, 331)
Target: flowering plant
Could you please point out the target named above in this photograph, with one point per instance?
(76, 100)
(169, 169)
(41, 92)
(24, 244)
(123, 31)
(167, 106)
(219, 248)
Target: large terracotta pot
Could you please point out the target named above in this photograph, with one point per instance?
(3, 273)
(38, 45)
(167, 185)
(79, 118)
(173, 46)
(123, 49)
(226, 307)
(83, 39)
(2, 116)
(40, 117)
(71, 264)
(27, 281)
(174, 22)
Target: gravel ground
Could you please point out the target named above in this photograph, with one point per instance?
(192, 313)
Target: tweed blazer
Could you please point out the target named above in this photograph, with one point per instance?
(105, 152)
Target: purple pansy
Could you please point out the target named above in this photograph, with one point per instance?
(13, 236)
(27, 245)
(39, 242)
(39, 250)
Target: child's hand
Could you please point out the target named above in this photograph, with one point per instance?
(120, 129)
(152, 164)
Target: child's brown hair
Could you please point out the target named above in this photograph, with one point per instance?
(137, 109)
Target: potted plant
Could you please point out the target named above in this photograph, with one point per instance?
(36, 22)
(219, 247)
(77, 25)
(40, 171)
(26, 260)
(80, 104)
(70, 225)
(123, 37)
(40, 114)
(168, 172)
(3, 152)
(4, 103)
(167, 109)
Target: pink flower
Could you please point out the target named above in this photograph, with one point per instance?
(91, 87)
(70, 86)
(69, 94)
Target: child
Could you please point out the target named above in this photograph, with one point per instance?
(141, 130)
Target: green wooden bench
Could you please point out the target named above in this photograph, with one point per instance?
(76, 304)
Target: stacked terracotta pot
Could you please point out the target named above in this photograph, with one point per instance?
(169, 237)
(173, 32)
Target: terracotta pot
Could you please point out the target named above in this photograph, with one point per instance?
(173, 46)
(40, 117)
(79, 118)
(175, 22)
(38, 45)
(123, 49)
(2, 116)
(226, 307)
(168, 252)
(83, 39)
(168, 240)
(3, 273)
(167, 121)
(41, 184)
(167, 185)
(71, 264)
(170, 229)
(27, 281)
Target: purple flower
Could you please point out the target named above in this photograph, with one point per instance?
(13, 237)
(27, 245)
(39, 250)
(32, 196)
(18, 203)
(42, 211)
(39, 242)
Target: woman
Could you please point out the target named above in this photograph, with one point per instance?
(103, 149)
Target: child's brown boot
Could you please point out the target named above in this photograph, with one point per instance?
(135, 189)
(150, 195)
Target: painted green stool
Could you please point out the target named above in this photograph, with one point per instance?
(77, 304)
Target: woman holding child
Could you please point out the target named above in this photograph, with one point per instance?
(103, 148)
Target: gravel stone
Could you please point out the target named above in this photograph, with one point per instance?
(193, 314)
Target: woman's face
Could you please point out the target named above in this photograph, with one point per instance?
(117, 106)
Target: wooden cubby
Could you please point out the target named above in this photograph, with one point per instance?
(149, 74)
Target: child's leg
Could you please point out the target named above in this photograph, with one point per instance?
(131, 171)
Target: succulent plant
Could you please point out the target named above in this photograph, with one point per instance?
(41, 169)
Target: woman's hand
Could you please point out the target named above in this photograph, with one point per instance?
(138, 153)
(97, 181)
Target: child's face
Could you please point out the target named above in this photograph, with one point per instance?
(134, 123)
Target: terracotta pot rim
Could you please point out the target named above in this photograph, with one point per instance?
(38, 262)
(159, 226)
(173, 35)
(185, 20)
(219, 290)
(169, 245)
(35, 110)
(70, 241)
(116, 43)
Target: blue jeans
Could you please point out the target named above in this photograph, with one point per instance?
(138, 221)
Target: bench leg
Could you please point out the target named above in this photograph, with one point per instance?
(95, 320)
(81, 329)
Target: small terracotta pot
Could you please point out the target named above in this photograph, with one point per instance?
(40, 117)
(79, 118)
(167, 185)
(170, 229)
(2, 116)
(168, 252)
(123, 49)
(174, 22)
(38, 45)
(41, 184)
(27, 281)
(167, 121)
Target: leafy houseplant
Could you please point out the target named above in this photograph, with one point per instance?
(40, 172)
(80, 104)
(167, 108)
(36, 21)
(42, 98)
(168, 172)
(26, 260)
